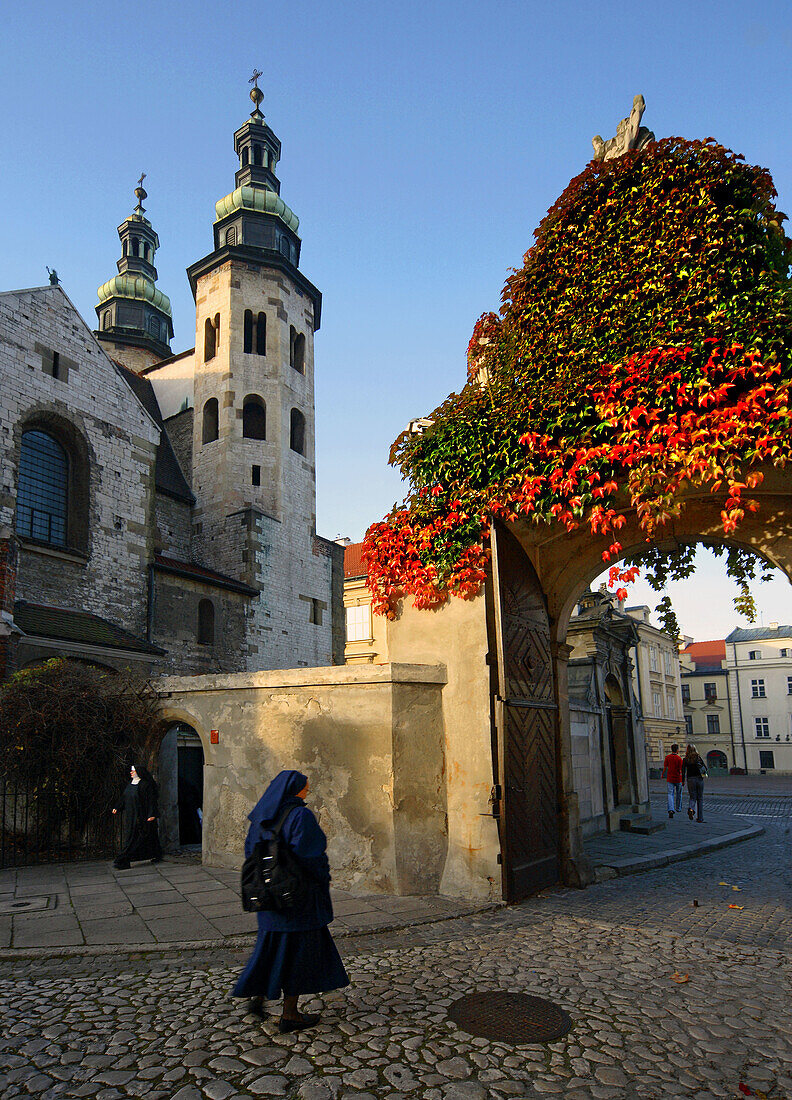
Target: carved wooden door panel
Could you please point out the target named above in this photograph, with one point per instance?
(526, 716)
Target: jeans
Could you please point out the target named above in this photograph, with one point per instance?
(696, 792)
(674, 797)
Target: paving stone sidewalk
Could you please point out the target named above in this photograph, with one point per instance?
(91, 906)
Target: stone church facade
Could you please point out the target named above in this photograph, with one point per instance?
(157, 510)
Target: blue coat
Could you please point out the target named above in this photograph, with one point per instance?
(307, 841)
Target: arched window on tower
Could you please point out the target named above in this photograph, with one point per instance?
(210, 427)
(135, 246)
(217, 330)
(206, 622)
(245, 157)
(285, 247)
(146, 251)
(261, 334)
(231, 236)
(297, 432)
(210, 340)
(257, 154)
(254, 417)
(107, 319)
(125, 248)
(248, 337)
(298, 352)
(42, 488)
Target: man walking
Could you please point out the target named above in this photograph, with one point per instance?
(672, 771)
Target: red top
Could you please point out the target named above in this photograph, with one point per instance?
(673, 765)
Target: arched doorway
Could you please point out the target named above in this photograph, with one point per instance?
(717, 764)
(619, 743)
(181, 762)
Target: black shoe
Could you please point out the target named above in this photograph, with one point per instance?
(304, 1019)
(670, 813)
(690, 814)
(121, 866)
(257, 1007)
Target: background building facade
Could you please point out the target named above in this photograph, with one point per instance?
(759, 666)
(707, 709)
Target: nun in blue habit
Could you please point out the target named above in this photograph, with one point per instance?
(294, 952)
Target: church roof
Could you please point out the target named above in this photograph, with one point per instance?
(201, 573)
(168, 475)
(67, 625)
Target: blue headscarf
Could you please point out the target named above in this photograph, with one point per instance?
(282, 790)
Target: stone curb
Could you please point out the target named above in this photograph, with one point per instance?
(10, 954)
(634, 865)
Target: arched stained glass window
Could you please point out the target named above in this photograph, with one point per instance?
(42, 488)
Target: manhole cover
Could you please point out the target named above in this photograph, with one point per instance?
(510, 1017)
(27, 905)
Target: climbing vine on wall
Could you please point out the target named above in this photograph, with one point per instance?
(643, 346)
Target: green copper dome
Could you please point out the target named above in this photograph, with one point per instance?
(134, 286)
(257, 198)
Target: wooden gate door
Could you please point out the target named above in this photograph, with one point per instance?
(526, 715)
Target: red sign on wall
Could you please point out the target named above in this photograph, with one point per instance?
(214, 737)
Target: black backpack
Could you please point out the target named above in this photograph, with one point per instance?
(273, 879)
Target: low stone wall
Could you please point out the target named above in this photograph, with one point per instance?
(371, 740)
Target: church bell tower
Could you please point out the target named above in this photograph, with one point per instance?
(253, 431)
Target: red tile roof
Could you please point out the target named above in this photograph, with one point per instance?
(353, 566)
(707, 653)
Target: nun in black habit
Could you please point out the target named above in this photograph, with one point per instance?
(294, 952)
(138, 805)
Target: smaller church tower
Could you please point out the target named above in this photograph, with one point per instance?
(134, 316)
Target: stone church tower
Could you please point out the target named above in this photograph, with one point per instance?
(253, 468)
(134, 316)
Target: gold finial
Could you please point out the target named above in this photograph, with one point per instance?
(256, 93)
(140, 195)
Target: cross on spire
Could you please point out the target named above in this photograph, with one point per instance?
(142, 177)
(254, 78)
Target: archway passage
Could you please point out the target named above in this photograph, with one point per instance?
(181, 762)
(526, 722)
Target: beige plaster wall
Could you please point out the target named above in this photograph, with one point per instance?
(370, 739)
(455, 635)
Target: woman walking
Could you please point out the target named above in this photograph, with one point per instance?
(694, 769)
(138, 804)
(294, 953)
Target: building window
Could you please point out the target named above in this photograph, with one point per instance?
(257, 155)
(230, 236)
(285, 247)
(245, 157)
(42, 489)
(254, 418)
(762, 726)
(757, 689)
(358, 623)
(686, 693)
(297, 432)
(107, 320)
(668, 663)
(689, 726)
(671, 705)
(206, 616)
(261, 334)
(653, 667)
(135, 246)
(713, 723)
(255, 475)
(210, 421)
(53, 363)
(657, 704)
(766, 759)
(710, 693)
(297, 349)
(247, 345)
(789, 685)
(210, 340)
(784, 652)
(315, 612)
(154, 326)
(754, 655)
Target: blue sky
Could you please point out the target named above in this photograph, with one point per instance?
(422, 144)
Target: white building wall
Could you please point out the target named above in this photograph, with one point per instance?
(772, 671)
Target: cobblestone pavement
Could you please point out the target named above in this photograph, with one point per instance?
(164, 1027)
